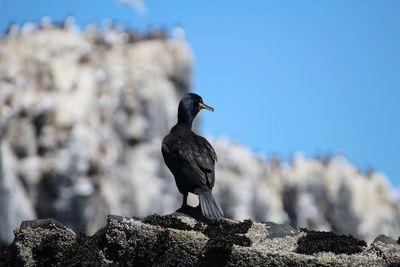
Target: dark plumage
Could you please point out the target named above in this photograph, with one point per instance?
(191, 158)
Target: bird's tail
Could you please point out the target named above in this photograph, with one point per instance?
(209, 207)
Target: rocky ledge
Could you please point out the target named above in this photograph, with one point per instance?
(180, 240)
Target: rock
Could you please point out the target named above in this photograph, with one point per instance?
(279, 230)
(390, 252)
(82, 115)
(4, 256)
(41, 223)
(321, 194)
(314, 242)
(183, 241)
(15, 204)
(43, 246)
(385, 239)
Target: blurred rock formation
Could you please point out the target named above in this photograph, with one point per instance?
(82, 116)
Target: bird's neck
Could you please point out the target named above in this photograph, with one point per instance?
(185, 116)
(185, 119)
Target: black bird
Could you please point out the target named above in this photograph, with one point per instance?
(191, 158)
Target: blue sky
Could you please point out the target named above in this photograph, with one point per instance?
(316, 76)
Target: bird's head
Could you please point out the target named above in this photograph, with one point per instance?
(189, 106)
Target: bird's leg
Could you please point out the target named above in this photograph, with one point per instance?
(184, 203)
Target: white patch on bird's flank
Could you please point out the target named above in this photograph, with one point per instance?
(193, 200)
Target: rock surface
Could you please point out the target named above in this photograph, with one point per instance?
(82, 115)
(183, 241)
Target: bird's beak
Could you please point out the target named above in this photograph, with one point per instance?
(204, 106)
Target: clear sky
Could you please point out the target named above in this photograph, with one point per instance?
(316, 76)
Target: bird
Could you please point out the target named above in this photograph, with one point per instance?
(191, 158)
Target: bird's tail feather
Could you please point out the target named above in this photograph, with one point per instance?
(209, 207)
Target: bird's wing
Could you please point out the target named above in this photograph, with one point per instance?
(206, 159)
(208, 153)
(194, 159)
(168, 155)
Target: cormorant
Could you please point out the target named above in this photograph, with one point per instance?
(191, 158)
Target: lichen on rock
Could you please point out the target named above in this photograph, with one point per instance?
(172, 241)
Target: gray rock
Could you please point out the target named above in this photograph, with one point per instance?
(171, 241)
(279, 230)
(385, 239)
(41, 223)
(82, 115)
(390, 252)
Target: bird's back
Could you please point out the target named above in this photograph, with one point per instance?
(190, 158)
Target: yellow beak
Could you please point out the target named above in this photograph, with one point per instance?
(204, 106)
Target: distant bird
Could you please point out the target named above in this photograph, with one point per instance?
(191, 158)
